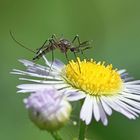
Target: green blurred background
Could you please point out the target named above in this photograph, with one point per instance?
(114, 25)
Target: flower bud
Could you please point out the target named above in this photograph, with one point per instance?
(48, 109)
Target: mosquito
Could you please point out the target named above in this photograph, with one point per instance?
(64, 45)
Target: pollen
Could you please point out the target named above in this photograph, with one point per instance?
(94, 78)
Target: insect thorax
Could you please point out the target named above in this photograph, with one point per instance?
(64, 45)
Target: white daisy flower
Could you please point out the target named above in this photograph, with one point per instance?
(103, 88)
(48, 109)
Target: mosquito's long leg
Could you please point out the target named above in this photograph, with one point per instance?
(86, 48)
(69, 61)
(83, 54)
(81, 45)
(77, 61)
(75, 55)
(52, 60)
(50, 40)
(82, 51)
(44, 50)
(78, 39)
(41, 46)
(54, 37)
(52, 49)
(66, 56)
(76, 50)
(50, 67)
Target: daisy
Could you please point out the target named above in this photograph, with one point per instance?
(101, 87)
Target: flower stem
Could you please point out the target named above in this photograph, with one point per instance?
(82, 127)
(82, 130)
(56, 136)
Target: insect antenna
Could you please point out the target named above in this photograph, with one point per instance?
(20, 43)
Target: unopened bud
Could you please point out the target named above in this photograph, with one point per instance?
(48, 109)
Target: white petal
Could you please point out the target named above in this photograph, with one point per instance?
(133, 86)
(89, 111)
(31, 86)
(126, 79)
(131, 96)
(116, 107)
(35, 87)
(32, 65)
(76, 97)
(83, 110)
(45, 81)
(102, 114)
(57, 64)
(131, 91)
(130, 102)
(18, 73)
(133, 82)
(121, 71)
(46, 61)
(107, 109)
(86, 110)
(15, 71)
(126, 107)
(26, 62)
(25, 91)
(96, 111)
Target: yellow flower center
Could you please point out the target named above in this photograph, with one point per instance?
(93, 78)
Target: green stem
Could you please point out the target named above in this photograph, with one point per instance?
(56, 136)
(82, 130)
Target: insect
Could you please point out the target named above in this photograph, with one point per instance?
(64, 45)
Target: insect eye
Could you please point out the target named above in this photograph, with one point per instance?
(72, 49)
